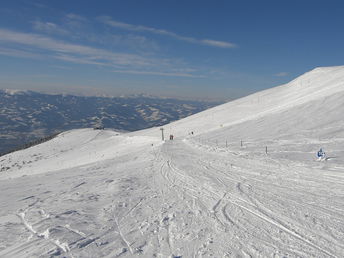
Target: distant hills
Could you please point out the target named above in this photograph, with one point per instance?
(26, 115)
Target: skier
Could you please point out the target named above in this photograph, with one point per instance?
(321, 154)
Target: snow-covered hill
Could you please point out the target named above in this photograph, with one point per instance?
(239, 180)
(318, 92)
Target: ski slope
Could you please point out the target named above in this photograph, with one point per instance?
(244, 183)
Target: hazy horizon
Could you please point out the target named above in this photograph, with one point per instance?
(127, 95)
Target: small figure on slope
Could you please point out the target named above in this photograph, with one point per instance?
(321, 154)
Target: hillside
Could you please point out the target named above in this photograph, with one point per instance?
(239, 180)
(26, 116)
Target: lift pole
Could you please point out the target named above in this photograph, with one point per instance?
(162, 133)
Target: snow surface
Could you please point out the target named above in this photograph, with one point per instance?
(239, 180)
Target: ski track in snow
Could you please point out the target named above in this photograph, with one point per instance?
(213, 193)
(64, 247)
(210, 209)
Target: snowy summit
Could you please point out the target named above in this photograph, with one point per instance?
(239, 180)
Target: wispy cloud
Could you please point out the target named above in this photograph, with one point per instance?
(45, 43)
(75, 17)
(281, 74)
(74, 20)
(38, 5)
(216, 43)
(29, 45)
(49, 27)
(140, 28)
(5, 51)
(79, 59)
(158, 73)
(134, 42)
(79, 28)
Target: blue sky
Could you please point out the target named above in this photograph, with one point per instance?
(192, 49)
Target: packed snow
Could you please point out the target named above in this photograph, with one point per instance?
(239, 180)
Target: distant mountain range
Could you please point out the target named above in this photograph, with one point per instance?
(26, 115)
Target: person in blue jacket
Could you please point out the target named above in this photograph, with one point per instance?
(321, 154)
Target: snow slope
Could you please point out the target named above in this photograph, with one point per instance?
(72, 149)
(316, 85)
(245, 184)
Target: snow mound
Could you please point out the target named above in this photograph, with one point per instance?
(71, 149)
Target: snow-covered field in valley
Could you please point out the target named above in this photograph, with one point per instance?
(238, 180)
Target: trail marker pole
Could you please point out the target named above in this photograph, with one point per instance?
(226, 144)
(266, 149)
(241, 143)
(162, 133)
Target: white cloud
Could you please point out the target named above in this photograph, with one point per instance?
(18, 53)
(135, 42)
(158, 73)
(49, 27)
(140, 28)
(78, 60)
(28, 45)
(281, 74)
(78, 28)
(216, 43)
(74, 21)
(76, 17)
(77, 51)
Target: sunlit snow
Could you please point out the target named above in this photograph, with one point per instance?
(238, 180)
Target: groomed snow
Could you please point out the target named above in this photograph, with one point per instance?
(239, 180)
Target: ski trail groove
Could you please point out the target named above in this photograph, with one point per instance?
(284, 228)
(122, 236)
(64, 247)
